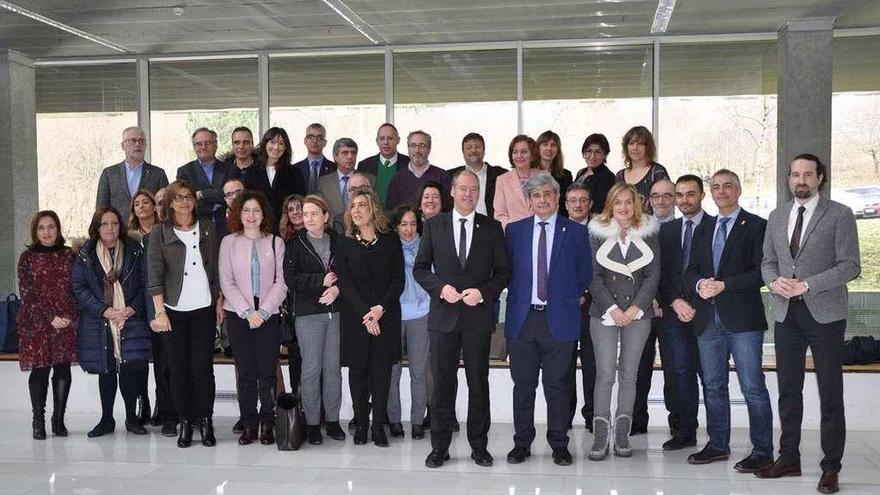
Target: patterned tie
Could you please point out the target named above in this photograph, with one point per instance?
(686, 244)
(718, 243)
(542, 262)
(462, 243)
(313, 177)
(795, 244)
(344, 189)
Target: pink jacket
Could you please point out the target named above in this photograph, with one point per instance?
(235, 273)
(510, 201)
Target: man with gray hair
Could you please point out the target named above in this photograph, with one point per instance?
(407, 182)
(334, 186)
(120, 182)
(207, 175)
(315, 165)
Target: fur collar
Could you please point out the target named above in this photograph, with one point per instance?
(612, 230)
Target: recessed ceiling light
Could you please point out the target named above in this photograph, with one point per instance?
(178, 11)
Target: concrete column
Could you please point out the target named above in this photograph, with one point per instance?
(18, 167)
(804, 107)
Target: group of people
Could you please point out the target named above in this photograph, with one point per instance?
(358, 264)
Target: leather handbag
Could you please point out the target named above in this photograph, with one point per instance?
(290, 422)
(285, 315)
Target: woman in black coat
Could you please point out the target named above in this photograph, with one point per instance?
(369, 264)
(596, 175)
(108, 284)
(274, 175)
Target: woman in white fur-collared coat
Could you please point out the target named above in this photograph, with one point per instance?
(626, 271)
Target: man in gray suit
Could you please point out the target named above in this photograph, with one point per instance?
(811, 251)
(334, 186)
(118, 183)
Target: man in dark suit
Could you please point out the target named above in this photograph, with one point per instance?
(550, 260)
(315, 165)
(462, 263)
(680, 358)
(118, 183)
(385, 164)
(811, 251)
(207, 175)
(473, 148)
(724, 282)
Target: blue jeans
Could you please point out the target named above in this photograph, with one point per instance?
(716, 345)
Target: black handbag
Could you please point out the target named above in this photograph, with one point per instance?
(290, 422)
(285, 315)
(9, 323)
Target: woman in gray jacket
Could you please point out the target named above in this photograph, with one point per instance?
(626, 271)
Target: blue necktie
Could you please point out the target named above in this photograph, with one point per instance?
(686, 244)
(344, 189)
(718, 243)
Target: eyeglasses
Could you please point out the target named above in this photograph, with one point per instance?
(233, 194)
(132, 141)
(420, 146)
(181, 198)
(203, 144)
(594, 152)
(575, 201)
(315, 137)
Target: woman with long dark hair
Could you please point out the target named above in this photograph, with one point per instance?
(275, 176)
(550, 150)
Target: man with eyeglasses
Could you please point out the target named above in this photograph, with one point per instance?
(207, 174)
(315, 165)
(385, 164)
(407, 183)
(118, 183)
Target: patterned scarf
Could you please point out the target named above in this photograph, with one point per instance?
(113, 295)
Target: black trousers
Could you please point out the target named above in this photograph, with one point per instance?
(129, 376)
(446, 347)
(370, 384)
(643, 380)
(584, 350)
(294, 365)
(256, 356)
(162, 376)
(793, 335)
(535, 351)
(190, 350)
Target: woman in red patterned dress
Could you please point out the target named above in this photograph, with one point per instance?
(48, 320)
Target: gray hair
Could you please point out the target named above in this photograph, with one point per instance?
(540, 180)
(729, 173)
(134, 128)
(346, 142)
(423, 133)
(464, 171)
(317, 126)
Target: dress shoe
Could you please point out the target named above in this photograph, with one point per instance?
(247, 437)
(707, 455)
(781, 468)
(482, 457)
(828, 483)
(156, 418)
(238, 427)
(360, 436)
(334, 431)
(352, 424)
(102, 428)
(436, 458)
(184, 439)
(135, 427)
(206, 429)
(379, 438)
(143, 409)
(169, 429)
(753, 463)
(679, 442)
(562, 457)
(396, 430)
(267, 433)
(518, 455)
(313, 435)
(418, 432)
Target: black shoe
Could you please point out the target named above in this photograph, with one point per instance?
(334, 431)
(518, 455)
(396, 430)
(562, 457)
(60, 391)
(418, 432)
(638, 430)
(143, 410)
(38, 392)
(482, 457)
(426, 423)
(206, 428)
(436, 458)
(828, 483)
(267, 433)
(352, 424)
(238, 427)
(185, 438)
(707, 455)
(456, 427)
(379, 438)
(156, 419)
(753, 464)
(781, 468)
(679, 442)
(102, 428)
(169, 429)
(313, 434)
(39, 427)
(248, 437)
(360, 436)
(135, 427)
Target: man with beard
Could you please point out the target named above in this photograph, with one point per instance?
(473, 148)
(406, 183)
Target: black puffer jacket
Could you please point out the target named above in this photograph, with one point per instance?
(304, 275)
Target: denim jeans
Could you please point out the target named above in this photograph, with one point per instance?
(716, 345)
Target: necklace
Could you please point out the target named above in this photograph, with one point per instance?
(365, 242)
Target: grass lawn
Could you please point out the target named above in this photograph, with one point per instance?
(869, 244)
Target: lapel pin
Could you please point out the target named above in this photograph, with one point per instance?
(743, 222)
(563, 229)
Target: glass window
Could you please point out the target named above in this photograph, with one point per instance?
(718, 110)
(81, 113)
(186, 95)
(345, 93)
(579, 91)
(449, 94)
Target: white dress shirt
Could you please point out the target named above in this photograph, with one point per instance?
(195, 292)
(481, 177)
(810, 206)
(468, 229)
(550, 230)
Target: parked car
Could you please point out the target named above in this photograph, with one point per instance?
(863, 200)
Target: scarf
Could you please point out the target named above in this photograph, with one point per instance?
(113, 295)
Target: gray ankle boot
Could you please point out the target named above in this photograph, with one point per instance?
(622, 426)
(601, 433)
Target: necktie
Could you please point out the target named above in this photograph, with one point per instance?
(462, 243)
(384, 163)
(795, 244)
(313, 177)
(344, 189)
(718, 242)
(686, 244)
(542, 262)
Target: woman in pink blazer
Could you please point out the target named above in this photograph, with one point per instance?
(251, 270)
(511, 203)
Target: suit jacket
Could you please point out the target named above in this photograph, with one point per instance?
(740, 306)
(287, 181)
(672, 283)
(326, 167)
(328, 187)
(570, 269)
(212, 202)
(492, 174)
(487, 268)
(113, 186)
(370, 164)
(827, 259)
(510, 202)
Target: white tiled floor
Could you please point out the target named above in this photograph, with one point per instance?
(153, 465)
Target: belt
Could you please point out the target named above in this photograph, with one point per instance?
(539, 307)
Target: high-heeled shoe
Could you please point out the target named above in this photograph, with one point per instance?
(185, 437)
(206, 430)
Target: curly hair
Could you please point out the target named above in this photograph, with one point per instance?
(234, 219)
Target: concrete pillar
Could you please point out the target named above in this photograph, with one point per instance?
(804, 107)
(18, 166)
